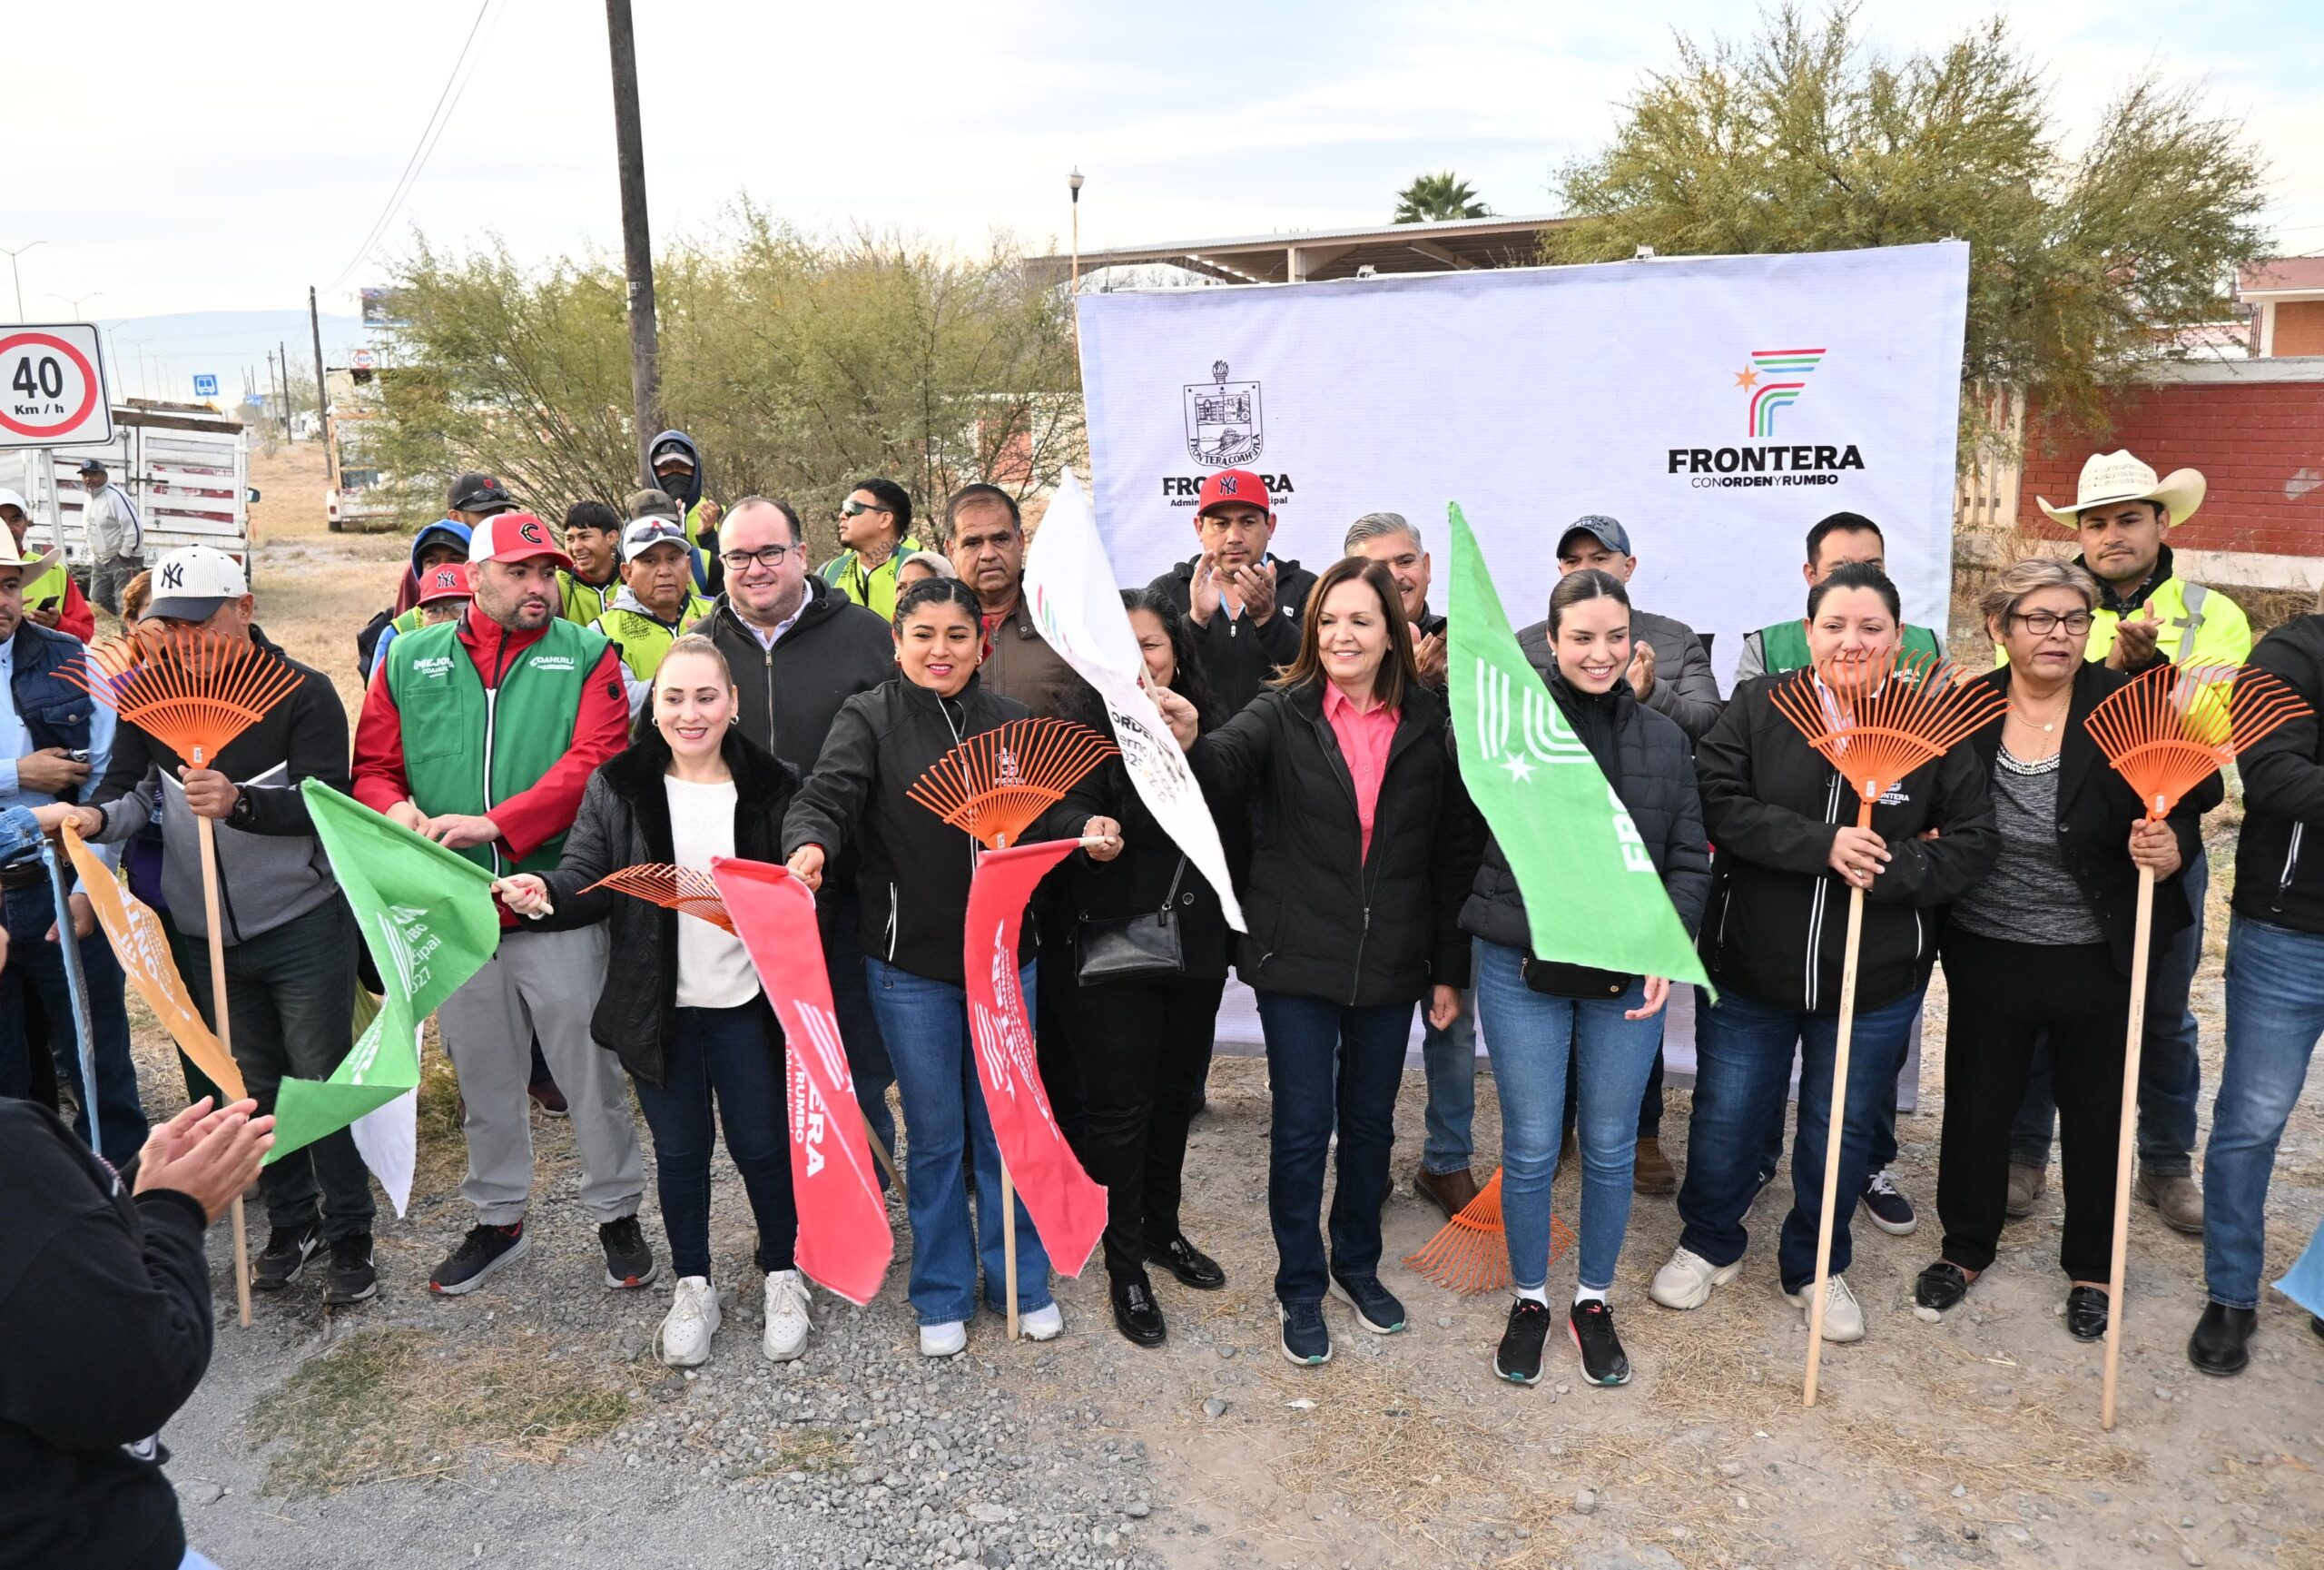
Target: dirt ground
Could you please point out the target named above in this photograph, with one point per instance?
(1976, 1441)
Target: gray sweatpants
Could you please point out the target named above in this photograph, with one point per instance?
(544, 984)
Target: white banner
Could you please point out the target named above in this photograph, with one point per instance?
(1716, 405)
(1078, 609)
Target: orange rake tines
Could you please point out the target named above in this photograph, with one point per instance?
(1469, 1254)
(681, 889)
(996, 783)
(192, 691)
(1884, 723)
(2176, 726)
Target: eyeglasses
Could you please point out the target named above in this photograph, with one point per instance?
(2043, 623)
(769, 557)
(853, 508)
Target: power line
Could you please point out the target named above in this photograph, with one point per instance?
(447, 101)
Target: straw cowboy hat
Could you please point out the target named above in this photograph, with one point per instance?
(2116, 477)
(12, 554)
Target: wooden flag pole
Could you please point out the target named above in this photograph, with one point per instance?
(1008, 1245)
(208, 831)
(1835, 1127)
(2133, 1050)
(887, 1161)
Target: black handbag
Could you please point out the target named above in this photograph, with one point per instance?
(1559, 980)
(1132, 948)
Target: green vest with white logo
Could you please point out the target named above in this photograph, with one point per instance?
(455, 733)
(644, 640)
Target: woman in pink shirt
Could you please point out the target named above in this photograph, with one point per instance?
(1365, 844)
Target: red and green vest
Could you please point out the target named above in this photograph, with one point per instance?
(1784, 646)
(456, 732)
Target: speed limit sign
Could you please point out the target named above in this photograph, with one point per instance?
(53, 388)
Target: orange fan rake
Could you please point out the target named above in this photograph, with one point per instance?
(2165, 733)
(1469, 1254)
(995, 784)
(680, 889)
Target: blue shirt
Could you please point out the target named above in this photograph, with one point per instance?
(16, 740)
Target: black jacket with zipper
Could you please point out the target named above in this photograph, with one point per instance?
(790, 693)
(1654, 775)
(625, 819)
(2280, 860)
(1327, 918)
(2097, 811)
(1237, 658)
(1776, 929)
(912, 877)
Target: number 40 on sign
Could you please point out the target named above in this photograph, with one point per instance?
(52, 387)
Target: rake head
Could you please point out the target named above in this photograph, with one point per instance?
(995, 784)
(192, 691)
(1470, 1253)
(2174, 726)
(1879, 722)
(681, 889)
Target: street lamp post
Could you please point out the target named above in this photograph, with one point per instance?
(1073, 183)
(75, 299)
(16, 274)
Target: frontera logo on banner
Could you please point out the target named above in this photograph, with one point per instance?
(1222, 424)
(1773, 381)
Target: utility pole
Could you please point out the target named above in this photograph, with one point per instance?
(322, 392)
(273, 389)
(283, 349)
(638, 247)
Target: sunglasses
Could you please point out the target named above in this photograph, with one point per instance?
(852, 509)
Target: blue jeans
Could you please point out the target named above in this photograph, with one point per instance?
(2275, 1013)
(35, 962)
(1331, 1065)
(1884, 1116)
(858, 1026)
(1742, 1069)
(2170, 1071)
(1449, 1058)
(1530, 1035)
(926, 1026)
(734, 1055)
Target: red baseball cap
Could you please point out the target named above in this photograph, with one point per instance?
(515, 537)
(1233, 485)
(447, 581)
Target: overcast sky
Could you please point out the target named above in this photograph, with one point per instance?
(189, 158)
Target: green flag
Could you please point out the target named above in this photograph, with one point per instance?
(429, 919)
(1592, 896)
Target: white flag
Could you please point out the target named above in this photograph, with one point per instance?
(388, 1139)
(1077, 607)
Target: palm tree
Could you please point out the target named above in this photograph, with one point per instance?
(1433, 198)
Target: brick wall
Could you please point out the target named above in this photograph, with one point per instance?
(2261, 446)
(2299, 328)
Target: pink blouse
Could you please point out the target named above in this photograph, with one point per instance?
(1363, 741)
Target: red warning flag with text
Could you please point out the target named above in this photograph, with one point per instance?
(844, 1242)
(1066, 1203)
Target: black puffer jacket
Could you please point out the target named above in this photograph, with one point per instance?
(912, 881)
(1237, 658)
(2096, 812)
(1654, 774)
(1776, 926)
(625, 819)
(2280, 860)
(1326, 919)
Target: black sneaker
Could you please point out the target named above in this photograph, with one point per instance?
(1376, 1308)
(628, 1261)
(287, 1251)
(1191, 1265)
(1518, 1358)
(1136, 1313)
(350, 1278)
(1603, 1361)
(2086, 1313)
(1306, 1339)
(1938, 1290)
(1886, 1205)
(484, 1250)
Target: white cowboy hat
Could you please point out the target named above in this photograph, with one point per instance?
(12, 554)
(2116, 477)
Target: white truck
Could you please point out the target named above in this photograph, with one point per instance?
(186, 467)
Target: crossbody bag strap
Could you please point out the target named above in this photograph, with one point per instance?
(1170, 899)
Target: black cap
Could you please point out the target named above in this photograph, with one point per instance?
(92, 466)
(480, 493)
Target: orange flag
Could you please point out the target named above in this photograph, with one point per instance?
(144, 951)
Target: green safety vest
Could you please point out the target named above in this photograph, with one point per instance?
(409, 621)
(1784, 646)
(584, 601)
(644, 640)
(875, 589)
(46, 592)
(454, 731)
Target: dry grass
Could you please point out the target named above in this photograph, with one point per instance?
(388, 1404)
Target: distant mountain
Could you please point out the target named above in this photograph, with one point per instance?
(160, 356)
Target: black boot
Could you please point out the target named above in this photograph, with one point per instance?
(2220, 1344)
(1136, 1313)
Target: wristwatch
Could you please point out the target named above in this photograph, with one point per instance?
(241, 812)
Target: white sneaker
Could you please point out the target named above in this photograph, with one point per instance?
(1685, 1282)
(692, 1320)
(1042, 1324)
(1843, 1315)
(949, 1339)
(787, 1323)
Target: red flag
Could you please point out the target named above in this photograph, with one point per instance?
(1066, 1203)
(844, 1242)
